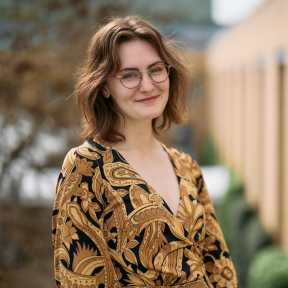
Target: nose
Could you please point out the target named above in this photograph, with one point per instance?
(147, 84)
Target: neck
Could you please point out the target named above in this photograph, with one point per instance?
(139, 136)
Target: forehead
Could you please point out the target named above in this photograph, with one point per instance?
(137, 54)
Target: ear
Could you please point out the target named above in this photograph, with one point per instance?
(106, 92)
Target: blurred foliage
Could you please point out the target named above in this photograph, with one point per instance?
(242, 229)
(27, 262)
(269, 269)
(42, 43)
(208, 154)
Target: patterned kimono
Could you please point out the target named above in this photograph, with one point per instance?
(111, 229)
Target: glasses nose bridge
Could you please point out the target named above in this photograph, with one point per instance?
(149, 74)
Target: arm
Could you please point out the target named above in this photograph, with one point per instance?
(217, 259)
(81, 255)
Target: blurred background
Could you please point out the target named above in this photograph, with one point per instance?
(237, 128)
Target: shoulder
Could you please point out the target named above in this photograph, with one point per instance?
(185, 163)
(88, 152)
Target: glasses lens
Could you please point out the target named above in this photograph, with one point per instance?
(130, 79)
(159, 72)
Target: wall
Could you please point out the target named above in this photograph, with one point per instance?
(248, 108)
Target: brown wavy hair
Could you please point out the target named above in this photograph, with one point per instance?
(101, 116)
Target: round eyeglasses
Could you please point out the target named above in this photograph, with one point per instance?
(132, 78)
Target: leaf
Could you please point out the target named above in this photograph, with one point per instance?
(130, 256)
(96, 207)
(132, 244)
(79, 192)
(92, 214)
(108, 157)
(135, 280)
(122, 192)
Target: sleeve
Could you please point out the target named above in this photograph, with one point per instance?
(217, 259)
(81, 256)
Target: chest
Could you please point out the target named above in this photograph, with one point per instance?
(158, 172)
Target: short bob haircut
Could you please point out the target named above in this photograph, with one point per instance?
(101, 116)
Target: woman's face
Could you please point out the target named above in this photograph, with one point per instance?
(138, 54)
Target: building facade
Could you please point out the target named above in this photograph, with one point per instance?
(248, 110)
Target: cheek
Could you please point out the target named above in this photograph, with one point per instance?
(120, 94)
(165, 85)
(165, 88)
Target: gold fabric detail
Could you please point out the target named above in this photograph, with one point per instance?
(111, 229)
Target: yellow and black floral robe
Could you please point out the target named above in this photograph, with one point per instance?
(111, 229)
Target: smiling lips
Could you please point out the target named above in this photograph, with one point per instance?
(148, 99)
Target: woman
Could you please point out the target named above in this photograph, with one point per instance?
(129, 211)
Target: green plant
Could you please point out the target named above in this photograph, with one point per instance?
(242, 229)
(209, 154)
(269, 269)
(258, 264)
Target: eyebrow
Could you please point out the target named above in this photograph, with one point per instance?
(124, 69)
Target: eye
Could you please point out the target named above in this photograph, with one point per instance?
(130, 75)
(156, 69)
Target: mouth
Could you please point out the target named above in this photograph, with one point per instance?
(148, 99)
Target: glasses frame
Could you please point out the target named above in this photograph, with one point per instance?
(167, 68)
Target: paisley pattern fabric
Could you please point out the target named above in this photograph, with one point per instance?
(111, 229)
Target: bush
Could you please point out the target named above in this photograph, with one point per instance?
(258, 264)
(209, 155)
(242, 229)
(269, 269)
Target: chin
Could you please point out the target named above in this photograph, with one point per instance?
(153, 113)
(152, 116)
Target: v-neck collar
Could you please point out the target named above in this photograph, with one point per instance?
(178, 177)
